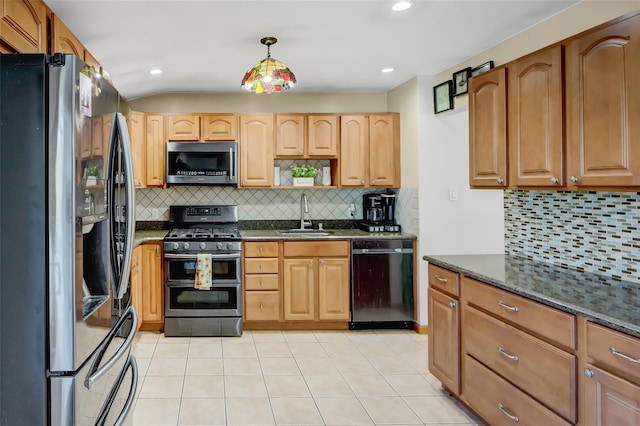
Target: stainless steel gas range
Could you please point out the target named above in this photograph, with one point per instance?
(190, 311)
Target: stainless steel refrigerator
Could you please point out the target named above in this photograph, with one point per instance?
(66, 240)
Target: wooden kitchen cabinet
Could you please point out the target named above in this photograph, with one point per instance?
(137, 123)
(261, 281)
(156, 149)
(536, 121)
(256, 150)
(218, 127)
(136, 283)
(316, 280)
(183, 127)
(63, 40)
(603, 138)
(152, 285)
(519, 343)
(370, 150)
(444, 327)
(23, 26)
(488, 129)
(306, 136)
(611, 377)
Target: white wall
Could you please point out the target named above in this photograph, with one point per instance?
(472, 225)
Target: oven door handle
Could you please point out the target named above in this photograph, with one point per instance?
(194, 257)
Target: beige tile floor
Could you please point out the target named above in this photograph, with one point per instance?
(291, 378)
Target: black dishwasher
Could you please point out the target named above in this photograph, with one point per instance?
(382, 284)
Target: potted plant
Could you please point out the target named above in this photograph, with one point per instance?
(92, 175)
(303, 175)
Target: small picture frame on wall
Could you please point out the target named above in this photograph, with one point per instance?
(460, 80)
(442, 99)
(481, 68)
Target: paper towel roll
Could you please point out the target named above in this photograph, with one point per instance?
(326, 176)
(276, 176)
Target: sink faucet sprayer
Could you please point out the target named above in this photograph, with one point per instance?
(304, 208)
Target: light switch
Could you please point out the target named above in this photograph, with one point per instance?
(453, 194)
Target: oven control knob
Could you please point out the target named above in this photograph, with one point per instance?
(185, 246)
(175, 246)
(203, 246)
(229, 246)
(219, 246)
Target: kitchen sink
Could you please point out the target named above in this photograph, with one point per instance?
(306, 232)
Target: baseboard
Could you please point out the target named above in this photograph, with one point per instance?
(421, 329)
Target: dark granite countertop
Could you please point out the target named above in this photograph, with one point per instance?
(334, 234)
(142, 236)
(602, 299)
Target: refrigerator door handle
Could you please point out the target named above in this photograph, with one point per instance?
(102, 418)
(120, 128)
(96, 372)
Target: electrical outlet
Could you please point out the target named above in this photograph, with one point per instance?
(453, 194)
(155, 214)
(351, 213)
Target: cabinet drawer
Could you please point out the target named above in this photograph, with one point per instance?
(543, 320)
(261, 306)
(444, 280)
(261, 282)
(261, 266)
(614, 349)
(261, 249)
(540, 369)
(316, 248)
(495, 399)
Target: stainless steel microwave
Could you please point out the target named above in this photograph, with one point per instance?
(202, 163)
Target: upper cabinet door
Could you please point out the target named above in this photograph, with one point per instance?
(183, 127)
(322, 137)
(256, 150)
(290, 135)
(384, 150)
(64, 41)
(536, 125)
(23, 25)
(156, 150)
(219, 127)
(603, 106)
(354, 150)
(137, 124)
(488, 129)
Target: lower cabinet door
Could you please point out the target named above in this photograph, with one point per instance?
(333, 289)
(444, 339)
(299, 290)
(610, 400)
(500, 403)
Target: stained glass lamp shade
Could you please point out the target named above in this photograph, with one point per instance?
(269, 75)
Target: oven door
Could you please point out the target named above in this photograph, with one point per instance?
(181, 268)
(221, 300)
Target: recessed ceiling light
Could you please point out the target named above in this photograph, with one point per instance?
(402, 5)
(155, 71)
(387, 69)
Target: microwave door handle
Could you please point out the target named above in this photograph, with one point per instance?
(231, 161)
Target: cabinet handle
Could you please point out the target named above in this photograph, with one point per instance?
(452, 304)
(439, 278)
(500, 181)
(260, 267)
(300, 152)
(322, 261)
(573, 179)
(361, 182)
(504, 305)
(502, 352)
(554, 180)
(158, 252)
(261, 250)
(506, 413)
(373, 182)
(623, 356)
(261, 283)
(588, 373)
(261, 306)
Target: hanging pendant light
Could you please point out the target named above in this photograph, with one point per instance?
(269, 75)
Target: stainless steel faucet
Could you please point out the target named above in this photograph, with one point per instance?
(304, 208)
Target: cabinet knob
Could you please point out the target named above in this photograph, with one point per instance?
(361, 182)
(573, 179)
(500, 181)
(373, 182)
(452, 304)
(554, 180)
(300, 152)
(588, 373)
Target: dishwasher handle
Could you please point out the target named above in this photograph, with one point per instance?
(382, 251)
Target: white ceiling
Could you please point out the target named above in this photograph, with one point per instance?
(331, 45)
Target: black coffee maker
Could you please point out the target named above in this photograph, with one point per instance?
(378, 211)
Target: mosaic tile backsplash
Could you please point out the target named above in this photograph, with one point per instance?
(591, 231)
(152, 204)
